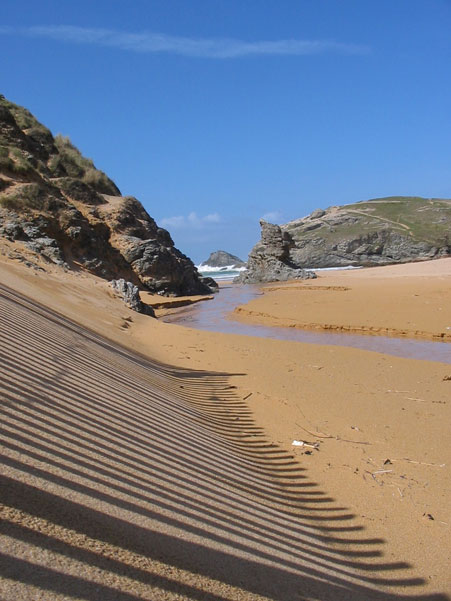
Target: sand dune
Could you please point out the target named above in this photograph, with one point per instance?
(126, 479)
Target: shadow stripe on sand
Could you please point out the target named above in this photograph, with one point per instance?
(125, 479)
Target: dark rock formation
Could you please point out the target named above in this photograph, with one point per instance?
(63, 208)
(375, 232)
(269, 260)
(221, 258)
(211, 283)
(130, 295)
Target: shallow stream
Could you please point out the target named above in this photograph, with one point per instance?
(214, 316)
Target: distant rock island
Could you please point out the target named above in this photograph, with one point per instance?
(382, 231)
(221, 258)
(56, 203)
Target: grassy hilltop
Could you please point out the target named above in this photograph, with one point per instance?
(380, 231)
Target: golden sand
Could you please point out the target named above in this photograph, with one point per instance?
(378, 426)
(411, 300)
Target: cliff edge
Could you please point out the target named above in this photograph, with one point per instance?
(382, 231)
(56, 203)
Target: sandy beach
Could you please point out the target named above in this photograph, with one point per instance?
(411, 300)
(374, 429)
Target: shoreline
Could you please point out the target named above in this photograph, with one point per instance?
(258, 317)
(403, 301)
(164, 305)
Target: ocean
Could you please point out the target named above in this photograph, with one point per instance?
(229, 273)
(220, 273)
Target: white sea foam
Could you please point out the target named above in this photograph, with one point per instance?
(229, 272)
(208, 268)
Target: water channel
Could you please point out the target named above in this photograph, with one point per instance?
(214, 316)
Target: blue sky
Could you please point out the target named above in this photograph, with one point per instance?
(215, 113)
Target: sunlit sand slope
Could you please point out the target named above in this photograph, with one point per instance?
(123, 479)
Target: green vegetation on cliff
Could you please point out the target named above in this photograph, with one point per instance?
(27, 148)
(55, 203)
(373, 232)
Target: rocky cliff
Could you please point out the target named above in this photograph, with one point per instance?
(221, 258)
(382, 231)
(376, 232)
(58, 204)
(270, 261)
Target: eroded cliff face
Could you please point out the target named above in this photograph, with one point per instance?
(376, 232)
(382, 231)
(269, 260)
(59, 205)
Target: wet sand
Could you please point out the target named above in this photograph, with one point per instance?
(381, 528)
(219, 316)
(411, 300)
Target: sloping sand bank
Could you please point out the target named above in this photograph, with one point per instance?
(411, 300)
(126, 479)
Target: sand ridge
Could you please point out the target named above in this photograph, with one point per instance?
(412, 300)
